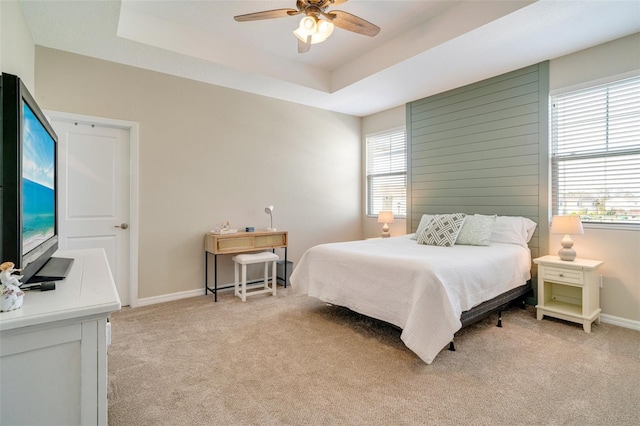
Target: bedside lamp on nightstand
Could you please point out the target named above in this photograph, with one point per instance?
(566, 225)
(385, 217)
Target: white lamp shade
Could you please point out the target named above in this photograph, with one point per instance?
(307, 28)
(567, 225)
(385, 217)
(325, 28)
(308, 25)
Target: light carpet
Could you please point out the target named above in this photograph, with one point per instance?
(294, 360)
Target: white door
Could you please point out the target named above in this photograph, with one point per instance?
(93, 197)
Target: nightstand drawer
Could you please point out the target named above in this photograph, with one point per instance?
(563, 275)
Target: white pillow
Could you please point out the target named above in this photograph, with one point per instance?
(513, 230)
(476, 230)
(443, 230)
(424, 222)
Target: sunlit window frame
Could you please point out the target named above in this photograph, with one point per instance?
(556, 158)
(397, 170)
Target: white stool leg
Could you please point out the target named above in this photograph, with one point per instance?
(244, 283)
(266, 275)
(274, 282)
(236, 284)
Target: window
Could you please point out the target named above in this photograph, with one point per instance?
(387, 173)
(595, 153)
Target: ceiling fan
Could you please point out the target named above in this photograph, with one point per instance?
(317, 23)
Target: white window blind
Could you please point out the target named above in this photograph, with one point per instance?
(387, 173)
(595, 152)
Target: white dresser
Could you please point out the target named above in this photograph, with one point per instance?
(53, 350)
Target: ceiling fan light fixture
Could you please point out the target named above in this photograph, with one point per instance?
(318, 29)
(308, 27)
(325, 28)
(318, 22)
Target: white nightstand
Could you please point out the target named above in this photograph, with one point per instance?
(569, 290)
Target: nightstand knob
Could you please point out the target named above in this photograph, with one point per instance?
(562, 274)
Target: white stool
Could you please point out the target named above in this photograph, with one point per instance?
(248, 259)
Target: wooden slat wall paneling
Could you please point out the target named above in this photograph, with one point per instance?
(482, 148)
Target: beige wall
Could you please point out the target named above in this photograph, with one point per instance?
(620, 249)
(16, 44)
(210, 154)
(591, 65)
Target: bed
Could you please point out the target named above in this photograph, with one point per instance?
(427, 290)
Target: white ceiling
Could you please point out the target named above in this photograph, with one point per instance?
(424, 47)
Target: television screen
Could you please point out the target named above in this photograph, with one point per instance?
(29, 233)
(38, 182)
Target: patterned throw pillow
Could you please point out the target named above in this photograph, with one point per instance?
(443, 230)
(424, 222)
(476, 230)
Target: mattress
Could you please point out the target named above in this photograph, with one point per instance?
(421, 289)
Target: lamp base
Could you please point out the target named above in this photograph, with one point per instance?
(271, 229)
(567, 252)
(385, 235)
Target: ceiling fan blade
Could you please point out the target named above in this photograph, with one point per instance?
(304, 47)
(267, 14)
(350, 22)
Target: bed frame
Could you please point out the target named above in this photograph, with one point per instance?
(497, 304)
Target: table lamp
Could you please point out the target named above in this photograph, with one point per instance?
(385, 217)
(269, 210)
(566, 225)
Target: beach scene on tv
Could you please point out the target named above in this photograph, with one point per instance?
(38, 178)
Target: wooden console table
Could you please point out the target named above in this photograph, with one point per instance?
(240, 242)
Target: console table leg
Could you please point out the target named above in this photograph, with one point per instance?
(215, 278)
(285, 267)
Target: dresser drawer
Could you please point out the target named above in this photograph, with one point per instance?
(567, 276)
(242, 242)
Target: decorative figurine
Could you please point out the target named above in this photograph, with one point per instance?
(224, 229)
(11, 297)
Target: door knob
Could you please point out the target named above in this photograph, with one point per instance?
(122, 226)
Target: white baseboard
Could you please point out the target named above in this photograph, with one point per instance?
(169, 297)
(622, 322)
(181, 295)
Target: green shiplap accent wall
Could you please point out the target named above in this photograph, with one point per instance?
(483, 148)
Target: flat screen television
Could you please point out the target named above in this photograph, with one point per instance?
(29, 181)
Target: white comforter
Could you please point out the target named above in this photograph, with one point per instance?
(421, 289)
